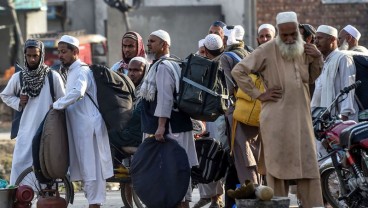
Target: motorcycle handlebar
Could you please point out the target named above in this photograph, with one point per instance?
(351, 87)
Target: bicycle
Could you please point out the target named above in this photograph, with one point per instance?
(128, 195)
(62, 185)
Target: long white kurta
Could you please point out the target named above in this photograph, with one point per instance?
(33, 114)
(85, 124)
(340, 69)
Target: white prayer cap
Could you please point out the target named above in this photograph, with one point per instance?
(213, 42)
(200, 43)
(70, 39)
(284, 17)
(163, 35)
(226, 31)
(268, 26)
(239, 32)
(353, 31)
(327, 30)
(139, 59)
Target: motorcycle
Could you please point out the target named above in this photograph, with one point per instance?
(344, 174)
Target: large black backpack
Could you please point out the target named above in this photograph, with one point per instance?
(203, 93)
(213, 161)
(361, 65)
(115, 94)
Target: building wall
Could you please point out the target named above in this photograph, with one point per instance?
(88, 15)
(5, 19)
(231, 10)
(185, 24)
(316, 13)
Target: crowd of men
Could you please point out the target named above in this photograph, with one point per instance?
(291, 58)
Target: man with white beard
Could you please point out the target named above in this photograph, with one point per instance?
(287, 66)
(348, 39)
(338, 72)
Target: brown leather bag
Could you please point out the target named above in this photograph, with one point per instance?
(54, 146)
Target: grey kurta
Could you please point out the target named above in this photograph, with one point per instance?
(165, 80)
(286, 125)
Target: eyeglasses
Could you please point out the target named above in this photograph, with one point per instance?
(219, 24)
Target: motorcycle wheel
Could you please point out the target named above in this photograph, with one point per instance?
(331, 187)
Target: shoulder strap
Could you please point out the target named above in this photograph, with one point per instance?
(20, 82)
(234, 56)
(51, 83)
(94, 103)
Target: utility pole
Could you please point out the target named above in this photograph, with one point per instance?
(17, 34)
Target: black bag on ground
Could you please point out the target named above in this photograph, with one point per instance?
(115, 96)
(203, 93)
(160, 173)
(213, 161)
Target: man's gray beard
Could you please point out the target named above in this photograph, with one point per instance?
(150, 57)
(344, 46)
(290, 51)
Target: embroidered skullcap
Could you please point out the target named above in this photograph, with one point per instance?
(70, 39)
(139, 59)
(130, 35)
(268, 26)
(218, 24)
(353, 31)
(213, 42)
(327, 30)
(200, 43)
(284, 17)
(33, 43)
(163, 35)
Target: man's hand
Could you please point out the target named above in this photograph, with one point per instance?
(159, 135)
(311, 49)
(344, 118)
(271, 94)
(23, 100)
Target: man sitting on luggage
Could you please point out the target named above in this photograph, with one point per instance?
(132, 134)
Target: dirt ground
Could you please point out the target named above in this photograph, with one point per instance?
(5, 126)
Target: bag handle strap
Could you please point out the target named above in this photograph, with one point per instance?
(51, 83)
(94, 103)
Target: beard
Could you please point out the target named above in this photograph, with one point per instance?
(344, 46)
(290, 51)
(150, 56)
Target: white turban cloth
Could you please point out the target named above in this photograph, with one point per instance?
(236, 35)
